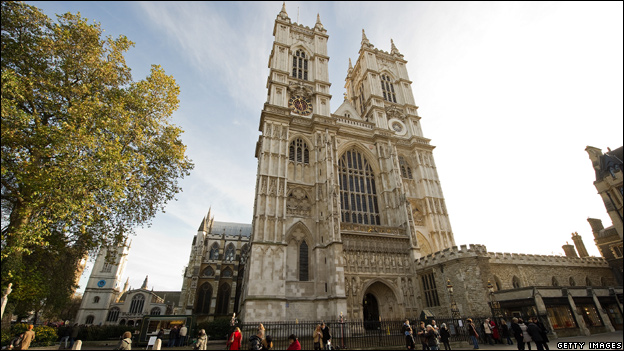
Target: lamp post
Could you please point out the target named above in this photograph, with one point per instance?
(494, 304)
(454, 310)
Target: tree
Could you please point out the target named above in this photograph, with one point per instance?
(88, 154)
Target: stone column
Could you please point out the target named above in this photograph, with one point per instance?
(543, 312)
(601, 311)
(579, 319)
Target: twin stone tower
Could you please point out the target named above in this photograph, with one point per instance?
(345, 201)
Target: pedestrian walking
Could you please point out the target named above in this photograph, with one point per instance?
(472, 331)
(445, 335)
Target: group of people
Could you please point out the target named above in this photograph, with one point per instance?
(430, 336)
(533, 331)
(259, 341)
(22, 340)
(177, 335)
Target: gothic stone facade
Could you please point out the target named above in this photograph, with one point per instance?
(573, 295)
(212, 280)
(346, 200)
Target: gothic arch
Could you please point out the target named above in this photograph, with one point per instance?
(368, 155)
(388, 297)
(295, 237)
(306, 49)
(425, 246)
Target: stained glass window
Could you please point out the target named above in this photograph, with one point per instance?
(357, 189)
(300, 65)
(387, 88)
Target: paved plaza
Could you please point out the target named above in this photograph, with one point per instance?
(568, 343)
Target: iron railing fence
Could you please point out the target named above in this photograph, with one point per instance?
(355, 334)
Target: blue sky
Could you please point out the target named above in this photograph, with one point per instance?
(510, 93)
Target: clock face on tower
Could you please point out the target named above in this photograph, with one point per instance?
(300, 105)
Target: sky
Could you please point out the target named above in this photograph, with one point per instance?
(510, 93)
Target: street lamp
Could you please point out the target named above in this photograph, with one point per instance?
(494, 304)
(454, 310)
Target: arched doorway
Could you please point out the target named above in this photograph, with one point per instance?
(371, 311)
(379, 302)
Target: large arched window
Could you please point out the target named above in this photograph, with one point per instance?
(155, 311)
(203, 300)
(387, 88)
(113, 314)
(223, 299)
(214, 252)
(90, 319)
(303, 262)
(358, 194)
(300, 65)
(230, 253)
(136, 306)
(298, 151)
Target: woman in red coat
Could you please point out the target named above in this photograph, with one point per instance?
(235, 339)
(495, 333)
(294, 343)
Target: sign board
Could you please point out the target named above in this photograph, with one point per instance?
(152, 341)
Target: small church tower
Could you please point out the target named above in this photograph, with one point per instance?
(104, 284)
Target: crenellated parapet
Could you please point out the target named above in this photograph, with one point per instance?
(475, 250)
(452, 253)
(545, 260)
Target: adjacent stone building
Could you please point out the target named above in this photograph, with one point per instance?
(212, 280)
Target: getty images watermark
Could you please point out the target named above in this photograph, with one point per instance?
(591, 345)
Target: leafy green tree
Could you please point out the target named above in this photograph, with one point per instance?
(88, 154)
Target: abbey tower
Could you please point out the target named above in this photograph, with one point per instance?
(345, 201)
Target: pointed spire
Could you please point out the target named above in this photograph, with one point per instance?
(350, 65)
(365, 41)
(144, 286)
(319, 25)
(283, 15)
(125, 288)
(393, 48)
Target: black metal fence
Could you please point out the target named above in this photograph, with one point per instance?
(353, 334)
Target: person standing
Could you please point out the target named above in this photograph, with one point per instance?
(544, 333)
(236, 338)
(525, 334)
(517, 332)
(326, 336)
(409, 335)
(29, 336)
(495, 333)
(535, 333)
(445, 335)
(505, 332)
(161, 334)
(472, 331)
(202, 340)
(432, 338)
(421, 336)
(317, 337)
(487, 330)
(173, 335)
(294, 343)
(126, 342)
(183, 331)
(255, 341)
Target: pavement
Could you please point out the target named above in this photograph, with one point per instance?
(605, 341)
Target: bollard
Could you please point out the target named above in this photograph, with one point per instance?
(157, 344)
(77, 345)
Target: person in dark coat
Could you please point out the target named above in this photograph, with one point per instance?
(409, 335)
(505, 332)
(326, 335)
(517, 332)
(445, 336)
(536, 334)
(432, 338)
(544, 333)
